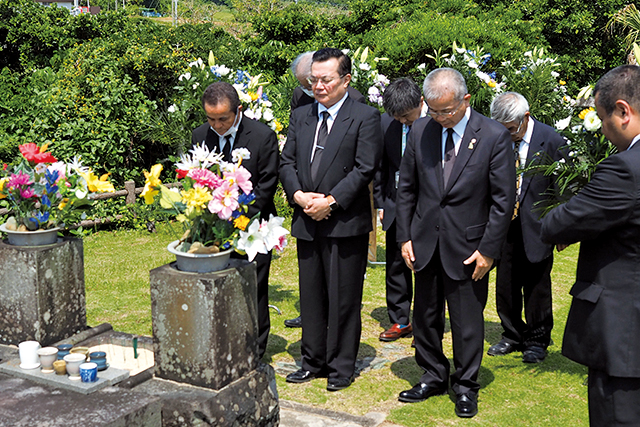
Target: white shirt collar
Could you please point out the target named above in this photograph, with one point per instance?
(636, 139)
(333, 110)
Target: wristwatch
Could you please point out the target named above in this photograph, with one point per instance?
(333, 205)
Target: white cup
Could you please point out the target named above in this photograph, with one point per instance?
(29, 358)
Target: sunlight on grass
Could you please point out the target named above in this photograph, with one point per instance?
(553, 393)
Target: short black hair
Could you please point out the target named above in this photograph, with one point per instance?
(325, 54)
(622, 82)
(401, 96)
(220, 92)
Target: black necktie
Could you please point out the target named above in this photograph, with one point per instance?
(449, 156)
(516, 153)
(226, 150)
(322, 138)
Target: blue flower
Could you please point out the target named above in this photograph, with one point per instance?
(226, 245)
(40, 218)
(493, 75)
(245, 199)
(51, 176)
(45, 201)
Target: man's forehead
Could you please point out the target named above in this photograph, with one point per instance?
(328, 66)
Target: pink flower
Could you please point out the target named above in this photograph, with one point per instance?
(19, 180)
(241, 177)
(204, 177)
(225, 200)
(27, 193)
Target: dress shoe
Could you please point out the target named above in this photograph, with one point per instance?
(420, 392)
(294, 323)
(301, 376)
(534, 354)
(335, 384)
(467, 405)
(395, 332)
(502, 348)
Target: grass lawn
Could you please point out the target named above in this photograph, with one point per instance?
(552, 393)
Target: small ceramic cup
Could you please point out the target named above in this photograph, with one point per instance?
(74, 360)
(48, 355)
(63, 350)
(100, 359)
(89, 372)
(81, 350)
(60, 366)
(29, 354)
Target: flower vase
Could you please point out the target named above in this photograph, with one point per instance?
(199, 263)
(31, 238)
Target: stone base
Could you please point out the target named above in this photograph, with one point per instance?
(205, 325)
(251, 401)
(25, 404)
(41, 292)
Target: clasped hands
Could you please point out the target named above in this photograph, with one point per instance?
(483, 263)
(316, 205)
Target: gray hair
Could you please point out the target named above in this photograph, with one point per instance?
(303, 59)
(509, 107)
(441, 82)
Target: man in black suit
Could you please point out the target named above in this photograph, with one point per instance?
(332, 149)
(225, 130)
(524, 269)
(303, 95)
(604, 320)
(402, 102)
(454, 204)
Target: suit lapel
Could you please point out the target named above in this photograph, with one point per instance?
(536, 145)
(470, 140)
(341, 124)
(243, 135)
(305, 138)
(431, 147)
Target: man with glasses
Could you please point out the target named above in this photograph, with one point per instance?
(454, 204)
(524, 269)
(332, 149)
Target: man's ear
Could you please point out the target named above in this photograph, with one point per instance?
(623, 110)
(347, 79)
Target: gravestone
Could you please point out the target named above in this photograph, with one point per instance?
(41, 292)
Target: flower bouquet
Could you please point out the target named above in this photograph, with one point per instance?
(44, 193)
(213, 205)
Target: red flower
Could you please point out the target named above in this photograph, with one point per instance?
(32, 153)
(4, 168)
(181, 173)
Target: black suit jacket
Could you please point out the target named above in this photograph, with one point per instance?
(604, 320)
(384, 186)
(473, 212)
(263, 164)
(349, 160)
(299, 98)
(546, 141)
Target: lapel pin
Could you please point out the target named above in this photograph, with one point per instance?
(471, 144)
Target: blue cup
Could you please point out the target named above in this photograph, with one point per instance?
(89, 372)
(63, 350)
(100, 359)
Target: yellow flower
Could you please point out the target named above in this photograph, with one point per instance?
(197, 198)
(584, 112)
(562, 82)
(491, 83)
(241, 222)
(253, 96)
(95, 184)
(63, 203)
(279, 126)
(2, 182)
(152, 183)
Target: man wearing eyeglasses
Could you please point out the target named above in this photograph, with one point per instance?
(454, 204)
(524, 269)
(332, 149)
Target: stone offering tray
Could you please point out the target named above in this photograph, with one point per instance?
(110, 376)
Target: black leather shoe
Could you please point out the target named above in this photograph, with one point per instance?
(534, 354)
(466, 405)
(420, 392)
(294, 323)
(335, 384)
(501, 349)
(301, 376)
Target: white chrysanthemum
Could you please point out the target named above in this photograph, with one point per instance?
(240, 153)
(267, 114)
(172, 108)
(204, 157)
(591, 121)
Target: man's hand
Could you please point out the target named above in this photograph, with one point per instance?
(318, 208)
(407, 254)
(381, 214)
(483, 265)
(303, 199)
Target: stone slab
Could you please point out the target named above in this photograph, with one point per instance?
(205, 325)
(42, 294)
(108, 377)
(251, 401)
(27, 404)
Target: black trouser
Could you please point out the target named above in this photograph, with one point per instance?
(399, 281)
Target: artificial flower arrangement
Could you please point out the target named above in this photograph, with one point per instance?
(213, 203)
(586, 147)
(42, 192)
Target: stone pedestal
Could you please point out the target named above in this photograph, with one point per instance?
(41, 292)
(205, 325)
